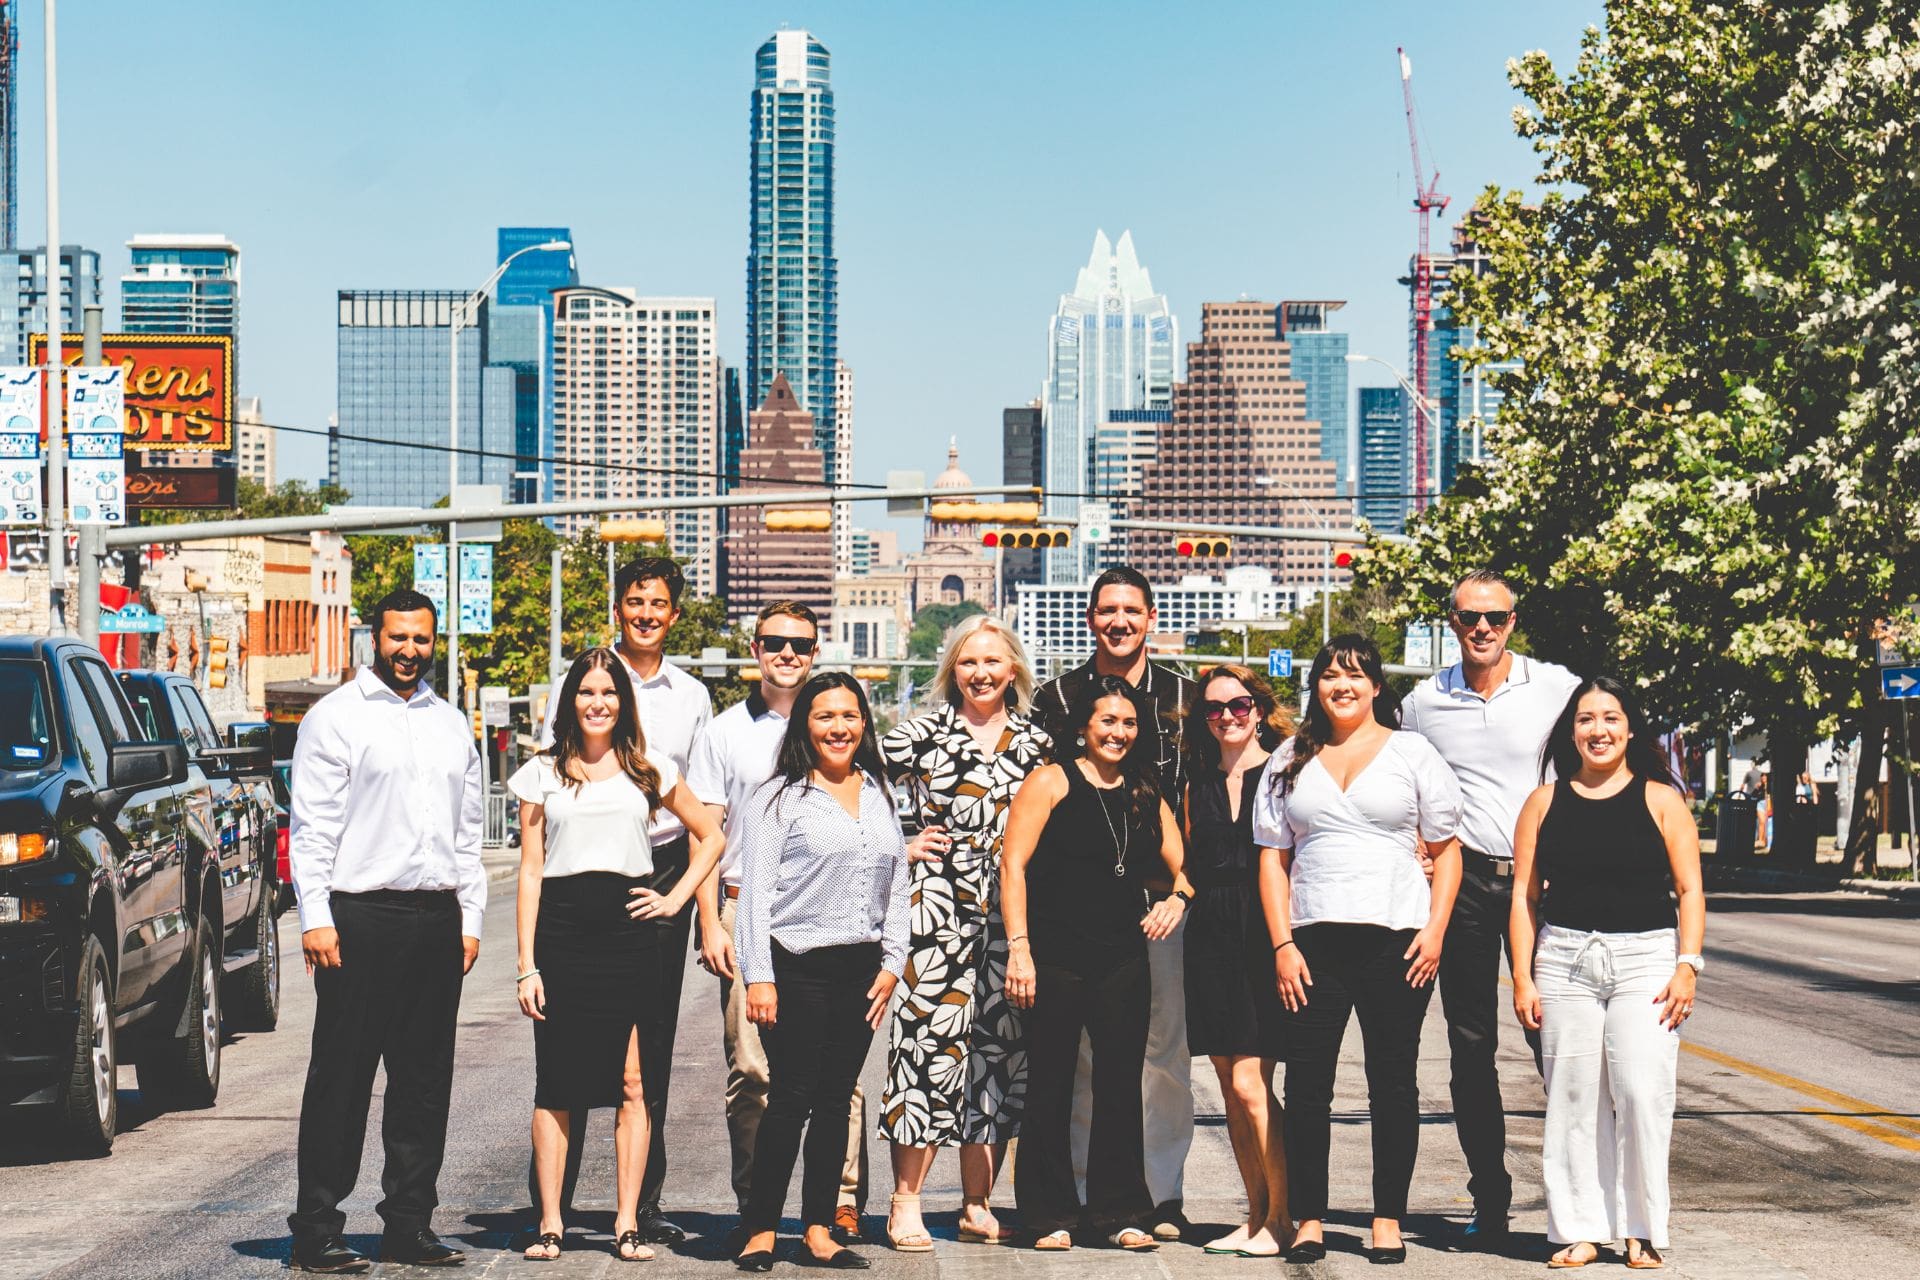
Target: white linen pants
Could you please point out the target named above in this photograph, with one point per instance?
(1610, 1070)
(1166, 1083)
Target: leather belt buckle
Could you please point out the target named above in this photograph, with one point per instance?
(730, 890)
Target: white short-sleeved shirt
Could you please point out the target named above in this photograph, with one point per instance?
(596, 826)
(674, 707)
(1355, 853)
(730, 761)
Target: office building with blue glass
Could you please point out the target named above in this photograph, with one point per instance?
(181, 284)
(1384, 458)
(23, 294)
(520, 337)
(1320, 361)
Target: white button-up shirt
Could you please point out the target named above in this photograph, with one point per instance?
(674, 708)
(1492, 744)
(386, 795)
(733, 757)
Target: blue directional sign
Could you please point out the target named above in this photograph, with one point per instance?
(1279, 663)
(1900, 682)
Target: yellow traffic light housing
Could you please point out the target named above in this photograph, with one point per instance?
(985, 512)
(633, 531)
(216, 662)
(1025, 539)
(871, 673)
(798, 519)
(1202, 546)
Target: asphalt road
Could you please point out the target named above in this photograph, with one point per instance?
(1796, 1152)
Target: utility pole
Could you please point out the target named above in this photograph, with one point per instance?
(56, 402)
(90, 552)
(554, 618)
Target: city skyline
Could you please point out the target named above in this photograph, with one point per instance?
(409, 194)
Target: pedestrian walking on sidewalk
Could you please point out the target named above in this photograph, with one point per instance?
(957, 1061)
(1234, 1015)
(732, 758)
(1605, 968)
(1341, 815)
(1488, 715)
(385, 857)
(822, 936)
(1084, 839)
(586, 806)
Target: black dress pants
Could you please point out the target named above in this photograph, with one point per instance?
(1355, 968)
(665, 976)
(1113, 1006)
(395, 999)
(815, 1050)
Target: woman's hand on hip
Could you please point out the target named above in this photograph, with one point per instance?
(931, 845)
(645, 904)
(763, 1004)
(533, 998)
(1020, 977)
(1676, 998)
(1526, 1003)
(1424, 951)
(1164, 918)
(1291, 976)
(877, 997)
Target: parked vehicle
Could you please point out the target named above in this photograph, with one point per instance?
(120, 910)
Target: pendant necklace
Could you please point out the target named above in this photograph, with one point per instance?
(1120, 835)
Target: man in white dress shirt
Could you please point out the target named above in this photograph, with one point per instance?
(385, 855)
(735, 755)
(674, 708)
(1488, 715)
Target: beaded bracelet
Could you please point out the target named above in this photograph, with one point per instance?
(523, 977)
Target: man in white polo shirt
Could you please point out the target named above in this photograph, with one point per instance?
(674, 708)
(1488, 715)
(733, 757)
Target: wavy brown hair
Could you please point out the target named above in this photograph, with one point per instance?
(1137, 769)
(629, 739)
(1351, 652)
(1274, 724)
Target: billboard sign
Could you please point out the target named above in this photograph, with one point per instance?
(430, 577)
(476, 589)
(96, 436)
(180, 488)
(179, 387)
(20, 456)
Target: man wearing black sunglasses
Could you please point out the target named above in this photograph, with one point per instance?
(1488, 715)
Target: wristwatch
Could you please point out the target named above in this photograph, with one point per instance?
(1695, 962)
(1186, 897)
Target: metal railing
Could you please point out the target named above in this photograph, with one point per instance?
(499, 808)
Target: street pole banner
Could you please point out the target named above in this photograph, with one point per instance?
(476, 589)
(430, 577)
(96, 443)
(20, 457)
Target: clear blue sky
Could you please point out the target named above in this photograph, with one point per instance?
(1252, 148)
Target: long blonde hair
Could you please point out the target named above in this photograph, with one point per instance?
(946, 688)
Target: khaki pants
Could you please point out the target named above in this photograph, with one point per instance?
(747, 1092)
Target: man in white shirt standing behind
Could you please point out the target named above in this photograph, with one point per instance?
(1488, 715)
(674, 708)
(733, 757)
(385, 854)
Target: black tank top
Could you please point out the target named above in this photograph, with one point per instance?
(1604, 863)
(1081, 915)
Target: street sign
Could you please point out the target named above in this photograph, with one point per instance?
(20, 460)
(1096, 521)
(96, 445)
(130, 618)
(1900, 682)
(468, 496)
(430, 577)
(476, 589)
(713, 659)
(1890, 656)
(1280, 663)
(494, 706)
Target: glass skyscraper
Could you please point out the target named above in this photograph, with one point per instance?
(523, 341)
(1320, 361)
(1110, 347)
(181, 284)
(792, 273)
(1464, 395)
(23, 294)
(1385, 456)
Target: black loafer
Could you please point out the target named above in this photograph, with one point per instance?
(838, 1260)
(758, 1260)
(655, 1229)
(1307, 1251)
(1488, 1230)
(331, 1256)
(419, 1248)
(1386, 1257)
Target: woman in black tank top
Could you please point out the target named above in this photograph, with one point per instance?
(1604, 967)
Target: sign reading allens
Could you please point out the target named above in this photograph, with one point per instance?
(179, 386)
(180, 488)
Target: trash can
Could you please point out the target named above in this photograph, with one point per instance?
(1735, 830)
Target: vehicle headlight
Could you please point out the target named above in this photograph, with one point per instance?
(17, 847)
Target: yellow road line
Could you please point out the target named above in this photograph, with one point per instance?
(1859, 1125)
(1865, 1118)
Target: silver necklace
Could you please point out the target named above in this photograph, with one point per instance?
(1120, 835)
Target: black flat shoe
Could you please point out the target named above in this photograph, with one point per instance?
(1307, 1251)
(331, 1256)
(758, 1260)
(419, 1248)
(838, 1260)
(655, 1229)
(1488, 1230)
(1386, 1257)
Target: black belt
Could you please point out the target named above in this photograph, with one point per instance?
(1486, 864)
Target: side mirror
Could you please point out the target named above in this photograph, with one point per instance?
(238, 761)
(257, 734)
(133, 765)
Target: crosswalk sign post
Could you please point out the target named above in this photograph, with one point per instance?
(1280, 663)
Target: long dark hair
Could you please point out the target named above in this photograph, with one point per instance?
(1644, 757)
(1353, 652)
(1140, 776)
(1271, 720)
(629, 739)
(797, 758)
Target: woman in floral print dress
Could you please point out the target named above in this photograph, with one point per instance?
(956, 1068)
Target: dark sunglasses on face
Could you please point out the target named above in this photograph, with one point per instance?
(1239, 708)
(1470, 618)
(801, 645)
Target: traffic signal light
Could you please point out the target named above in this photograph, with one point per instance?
(1202, 546)
(798, 519)
(871, 673)
(1024, 539)
(985, 512)
(217, 662)
(747, 673)
(633, 531)
(1344, 560)
(479, 726)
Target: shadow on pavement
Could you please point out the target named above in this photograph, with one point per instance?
(1835, 906)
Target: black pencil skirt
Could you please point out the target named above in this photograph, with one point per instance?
(591, 955)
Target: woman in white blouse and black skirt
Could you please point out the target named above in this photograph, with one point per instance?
(822, 938)
(1340, 816)
(585, 807)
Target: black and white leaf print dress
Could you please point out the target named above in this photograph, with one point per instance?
(956, 1064)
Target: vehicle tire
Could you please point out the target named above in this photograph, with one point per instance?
(253, 994)
(88, 1110)
(184, 1071)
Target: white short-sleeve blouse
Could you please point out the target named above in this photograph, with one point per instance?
(595, 826)
(1355, 856)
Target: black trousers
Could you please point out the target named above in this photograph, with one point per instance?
(814, 1054)
(395, 999)
(1356, 968)
(666, 975)
(1470, 997)
(1113, 1007)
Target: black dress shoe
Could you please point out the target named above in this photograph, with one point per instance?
(1307, 1251)
(838, 1260)
(758, 1260)
(655, 1229)
(329, 1256)
(419, 1248)
(1488, 1230)
(1384, 1257)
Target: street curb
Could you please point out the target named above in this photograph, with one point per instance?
(1780, 880)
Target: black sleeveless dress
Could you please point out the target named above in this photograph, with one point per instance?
(1080, 915)
(1233, 1004)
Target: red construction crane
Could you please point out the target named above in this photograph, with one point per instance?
(1427, 201)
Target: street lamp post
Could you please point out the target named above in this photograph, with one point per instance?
(460, 310)
(1428, 409)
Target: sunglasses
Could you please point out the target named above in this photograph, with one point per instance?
(1239, 708)
(801, 645)
(1470, 618)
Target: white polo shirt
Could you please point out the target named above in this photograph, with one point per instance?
(1492, 744)
(674, 708)
(733, 757)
